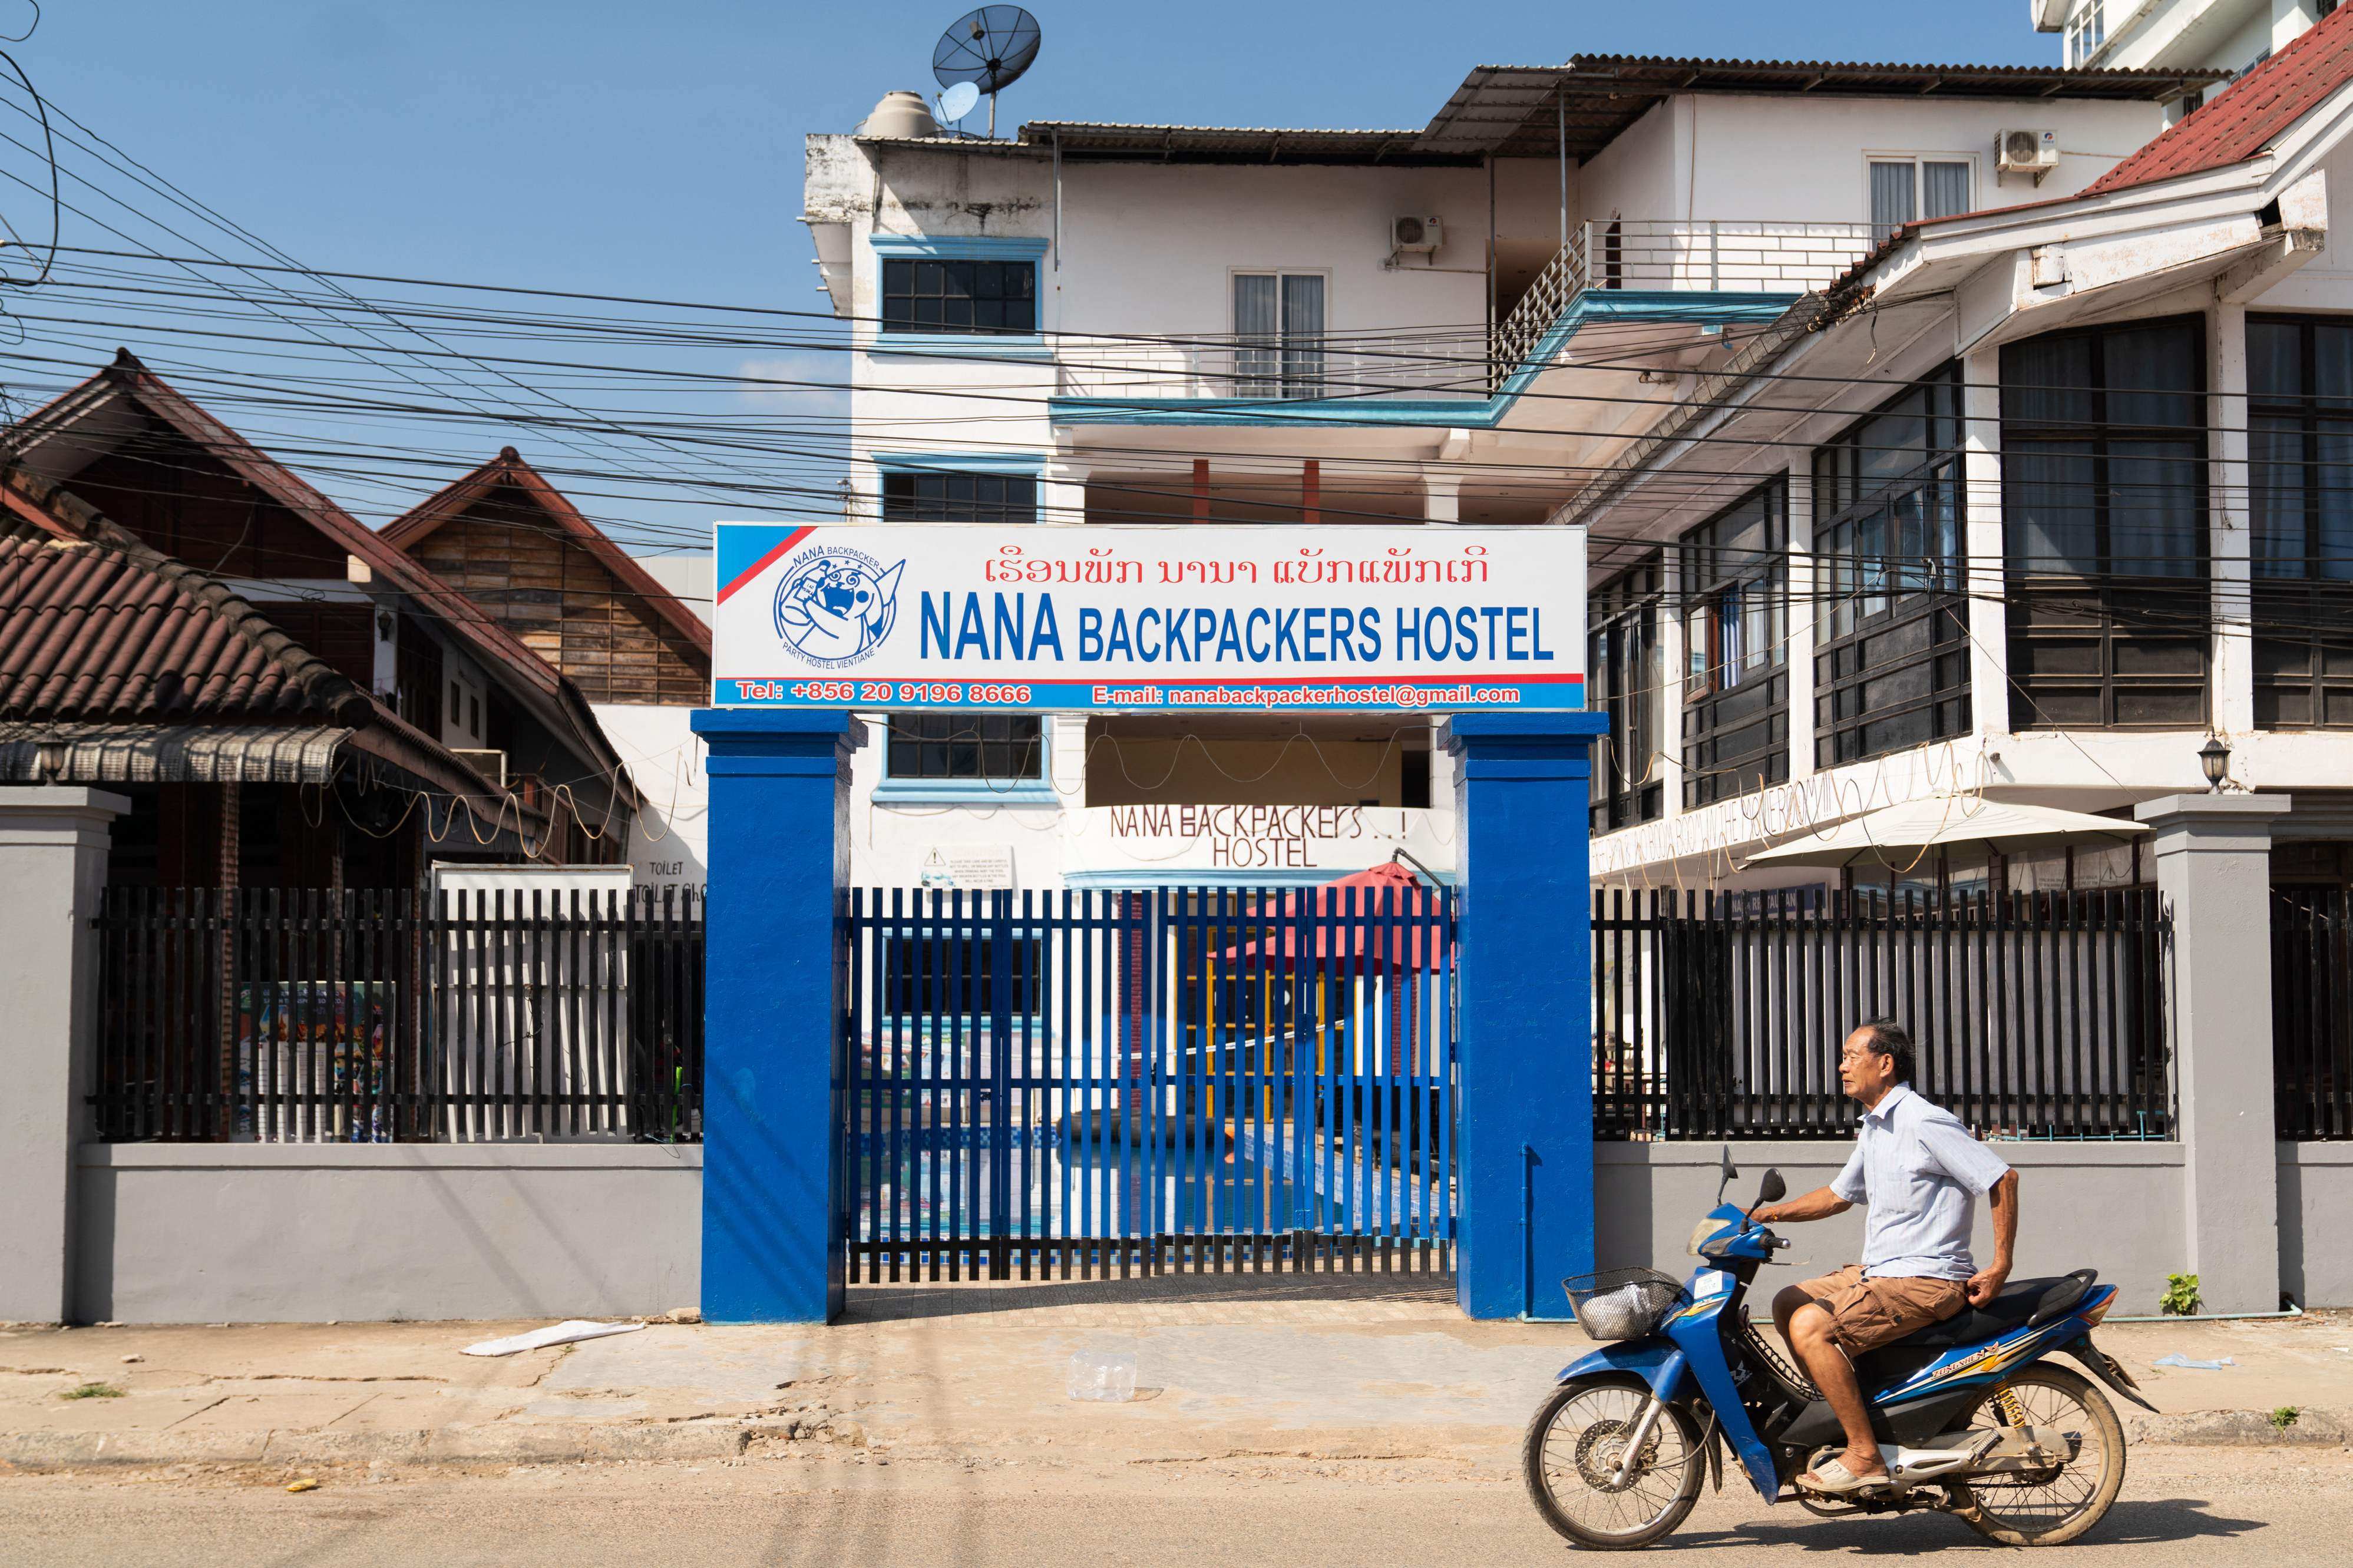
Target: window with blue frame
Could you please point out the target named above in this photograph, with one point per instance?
(959, 296)
(955, 496)
(992, 747)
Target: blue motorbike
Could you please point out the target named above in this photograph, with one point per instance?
(1973, 1418)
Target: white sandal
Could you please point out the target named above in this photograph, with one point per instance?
(1832, 1478)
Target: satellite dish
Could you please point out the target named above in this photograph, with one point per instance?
(989, 49)
(958, 101)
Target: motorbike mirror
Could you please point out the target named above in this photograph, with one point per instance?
(1728, 1173)
(1772, 1189)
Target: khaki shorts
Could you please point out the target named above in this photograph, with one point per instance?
(1868, 1313)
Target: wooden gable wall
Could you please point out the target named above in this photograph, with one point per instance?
(509, 557)
(184, 501)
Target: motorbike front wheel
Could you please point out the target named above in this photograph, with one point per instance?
(1575, 1453)
(2047, 1508)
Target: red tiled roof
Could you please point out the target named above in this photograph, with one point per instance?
(555, 700)
(2246, 117)
(91, 632)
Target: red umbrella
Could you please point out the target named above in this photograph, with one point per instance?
(1348, 920)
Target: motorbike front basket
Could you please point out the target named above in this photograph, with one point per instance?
(1622, 1303)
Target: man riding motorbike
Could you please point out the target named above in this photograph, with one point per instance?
(1919, 1173)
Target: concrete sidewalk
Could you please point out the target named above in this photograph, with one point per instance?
(1379, 1367)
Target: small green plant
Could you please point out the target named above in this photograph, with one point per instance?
(2180, 1298)
(92, 1390)
(2285, 1418)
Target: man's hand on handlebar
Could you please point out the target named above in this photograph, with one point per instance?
(1819, 1203)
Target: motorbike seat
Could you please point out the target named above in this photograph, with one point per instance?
(2021, 1301)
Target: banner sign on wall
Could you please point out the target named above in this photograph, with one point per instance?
(1200, 618)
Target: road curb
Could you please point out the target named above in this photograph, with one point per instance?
(471, 1445)
(2240, 1429)
(572, 1443)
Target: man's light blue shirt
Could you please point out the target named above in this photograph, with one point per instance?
(1919, 1172)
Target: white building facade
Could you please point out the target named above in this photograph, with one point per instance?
(2131, 34)
(2049, 509)
(1472, 321)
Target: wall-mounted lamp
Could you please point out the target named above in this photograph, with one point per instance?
(2215, 758)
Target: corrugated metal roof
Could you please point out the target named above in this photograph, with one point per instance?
(168, 753)
(89, 632)
(1516, 110)
(1231, 143)
(2245, 118)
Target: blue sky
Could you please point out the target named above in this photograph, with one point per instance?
(654, 148)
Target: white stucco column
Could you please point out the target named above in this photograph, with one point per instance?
(1982, 538)
(1441, 496)
(2213, 876)
(1799, 650)
(2290, 17)
(2230, 520)
(1062, 493)
(1673, 667)
(53, 845)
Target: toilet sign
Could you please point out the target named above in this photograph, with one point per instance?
(1200, 618)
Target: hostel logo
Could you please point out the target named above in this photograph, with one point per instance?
(835, 606)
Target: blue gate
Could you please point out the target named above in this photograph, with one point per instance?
(1078, 1084)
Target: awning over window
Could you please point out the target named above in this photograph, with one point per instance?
(168, 753)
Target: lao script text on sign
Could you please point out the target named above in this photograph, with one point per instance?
(1120, 619)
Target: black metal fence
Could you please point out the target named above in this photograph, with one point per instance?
(2312, 1014)
(368, 1015)
(1720, 1014)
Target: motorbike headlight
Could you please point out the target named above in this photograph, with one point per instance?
(1707, 1227)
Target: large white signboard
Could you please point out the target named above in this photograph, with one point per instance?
(1198, 618)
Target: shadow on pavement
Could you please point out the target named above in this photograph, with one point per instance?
(2129, 1523)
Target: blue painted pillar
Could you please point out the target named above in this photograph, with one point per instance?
(773, 1064)
(1524, 1154)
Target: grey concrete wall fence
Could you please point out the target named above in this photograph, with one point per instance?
(319, 1232)
(212, 1232)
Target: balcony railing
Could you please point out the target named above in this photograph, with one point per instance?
(1442, 362)
(1662, 255)
(1718, 256)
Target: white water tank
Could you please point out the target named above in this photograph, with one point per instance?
(900, 116)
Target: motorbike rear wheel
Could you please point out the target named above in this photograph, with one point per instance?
(1571, 1455)
(2053, 1506)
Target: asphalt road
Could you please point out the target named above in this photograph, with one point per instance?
(2180, 1506)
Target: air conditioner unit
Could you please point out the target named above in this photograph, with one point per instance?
(1422, 234)
(491, 765)
(2034, 152)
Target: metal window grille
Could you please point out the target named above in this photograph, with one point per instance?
(1891, 668)
(944, 496)
(1009, 746)
(2105, 524)
(946, 295)
(2300, 478)
(1735, 718)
